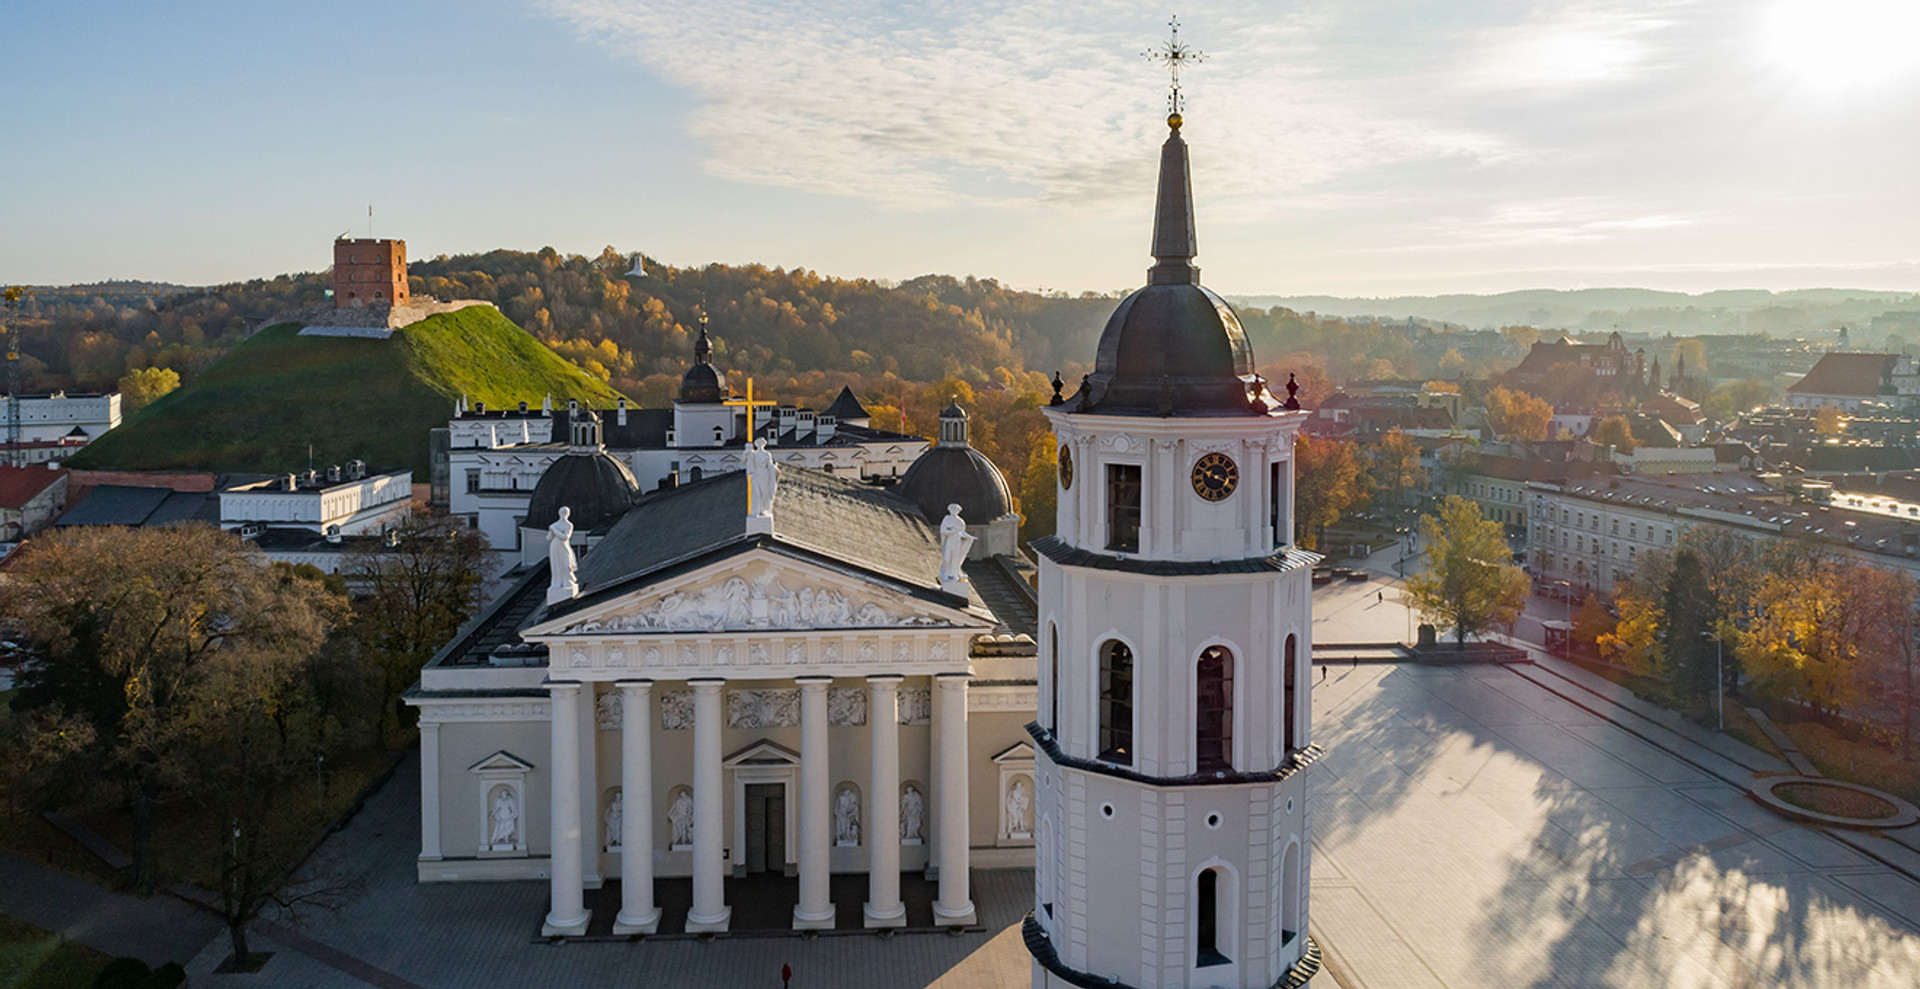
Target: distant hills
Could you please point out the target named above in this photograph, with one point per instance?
(259, 407)
(1628, 309)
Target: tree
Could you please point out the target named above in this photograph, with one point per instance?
(139, 388)
(1894, 599)
(1469, 582)
(416, 589)
(1827, 421)
(1393, 462)
(127, 628)
(1039, 492)
(1328, 481)
(1687, 607)
(1613, 431)
(1516, 415)
(1805, 629)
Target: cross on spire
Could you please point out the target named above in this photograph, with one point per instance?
(1173, 54)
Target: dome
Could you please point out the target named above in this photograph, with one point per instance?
(1173, 347)
(597, 487)
(703, 383)
(948, 475)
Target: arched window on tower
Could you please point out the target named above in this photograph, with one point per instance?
(1290, 894)
(1123, 507)
(1053, 678)
(1287, 678)
(1116, 703)
(1213, 710)
(1206, 928)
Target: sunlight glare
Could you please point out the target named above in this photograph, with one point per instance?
(1843, 44)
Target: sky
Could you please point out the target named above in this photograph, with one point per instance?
(1345, 147)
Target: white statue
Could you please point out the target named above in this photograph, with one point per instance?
(680, 816)
(616, 818)
(760, 480)
(846, 818)
(955, 541)
(563, 586)
(506, 820)
(913, 810)
(1017, 803)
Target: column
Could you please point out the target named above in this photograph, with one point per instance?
(568, 914)
(710, 911)
(430, 791)
(815, 909)
(954, 906)
(589, 792)
(638, 915)
(884, 908)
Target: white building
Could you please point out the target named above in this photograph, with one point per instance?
(496, 457)
(63, 416)
(339, 501)
(1176, 634)
(1851, 382)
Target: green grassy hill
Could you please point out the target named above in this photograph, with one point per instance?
(259, 407)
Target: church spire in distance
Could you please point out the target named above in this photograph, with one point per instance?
(1174, 244)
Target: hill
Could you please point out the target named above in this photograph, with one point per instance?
(258, 408)
(1788, 313)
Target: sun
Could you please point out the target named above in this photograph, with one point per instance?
(1843, 44)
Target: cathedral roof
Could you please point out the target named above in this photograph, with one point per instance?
(846, 406)
(596, 487)
(815, 514)
(703, 383)
(1173, 347)
(949, 475)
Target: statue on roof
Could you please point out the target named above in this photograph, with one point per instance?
(563, 586)
(955, 541)
(762, 475)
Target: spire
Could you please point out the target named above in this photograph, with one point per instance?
(703, 348)
(1173, 240)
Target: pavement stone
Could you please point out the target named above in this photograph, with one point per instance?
(155, 930)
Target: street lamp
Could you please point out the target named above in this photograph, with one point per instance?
(1719, 678)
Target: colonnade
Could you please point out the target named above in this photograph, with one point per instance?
(573, 702)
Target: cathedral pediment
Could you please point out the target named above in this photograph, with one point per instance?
(761, 595)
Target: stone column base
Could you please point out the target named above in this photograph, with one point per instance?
(960, 918)
(897, 917)
(562, 927)
(803, 921)
(709, 925)
(644, 924)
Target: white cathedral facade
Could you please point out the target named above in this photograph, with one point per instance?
(783, 675)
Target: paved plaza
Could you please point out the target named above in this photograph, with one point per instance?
(1475, 828)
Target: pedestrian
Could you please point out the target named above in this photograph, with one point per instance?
(1323, 674)
(1380, 596)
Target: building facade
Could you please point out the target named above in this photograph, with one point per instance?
(1172, 733)
(368, 272)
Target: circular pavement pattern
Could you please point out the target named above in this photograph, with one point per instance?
(1904, 813)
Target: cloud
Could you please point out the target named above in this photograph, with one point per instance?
(1008, 103)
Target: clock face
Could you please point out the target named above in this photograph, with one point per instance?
(1066, 467)
(1214, 476)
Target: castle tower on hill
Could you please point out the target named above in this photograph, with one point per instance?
(1172, 727)
(369, 272)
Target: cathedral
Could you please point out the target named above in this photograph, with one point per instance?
(779, 695)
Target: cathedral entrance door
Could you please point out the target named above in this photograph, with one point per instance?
(766, 814)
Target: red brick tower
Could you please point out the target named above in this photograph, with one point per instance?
(369, 273)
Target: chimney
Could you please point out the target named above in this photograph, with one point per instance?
(523, 406)
(333, 474)
(292, 482)
(333, 534)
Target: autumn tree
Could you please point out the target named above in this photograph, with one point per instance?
(1516, 415)
(1804, 632)
(1328, 482)
(129, 628)
(416, 588)
(1613, 431)
(1894, 599)
(1393, 463)
(1468, 582)
(1827, 421)
(1039, 491)
(138, 389)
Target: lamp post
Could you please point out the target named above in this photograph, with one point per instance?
(1719, 677)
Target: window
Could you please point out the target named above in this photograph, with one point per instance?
(1116, 703)
(1616, 527)
(1206, 932)
(473, 479)
(1053, 677)
(1287, 694)
(719, 434)
(1290, 894)
(1213, 710)
(1277, 505)
(1123, 507)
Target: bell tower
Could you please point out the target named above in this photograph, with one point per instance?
(1172, 732)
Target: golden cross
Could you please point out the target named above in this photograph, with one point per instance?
(748, 403)
(1173, 54)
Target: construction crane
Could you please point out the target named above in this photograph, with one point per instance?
(16, 451)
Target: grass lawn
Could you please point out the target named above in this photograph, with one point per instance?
(259, 408)
(31, 958)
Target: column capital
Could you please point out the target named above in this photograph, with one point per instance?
(633, 685)
(885, 680)
(707, 684)
(813, 683)
(562, 686)
(952, 679)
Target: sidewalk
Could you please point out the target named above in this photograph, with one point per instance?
(155, 930)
